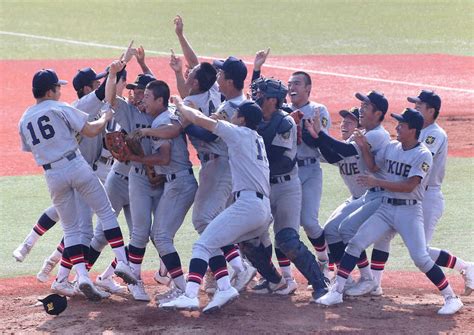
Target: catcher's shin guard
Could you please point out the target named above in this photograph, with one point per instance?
(289, 243)
(258, 256)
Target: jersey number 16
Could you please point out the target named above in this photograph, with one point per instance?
(46, 130)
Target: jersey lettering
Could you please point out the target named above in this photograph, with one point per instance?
(138, 126)
(348, 169)
(259, 150)
(397, 168)
(46, 130)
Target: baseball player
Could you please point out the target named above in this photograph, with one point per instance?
(279, 133)
(310, 173)
(170, 158)
(428, 103)
(247, 218)
(47, 130)
(406, 163)
(374, 105)
(144, 197)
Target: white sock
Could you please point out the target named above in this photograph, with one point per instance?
(180, 282)
(137, 270)
(366, 273)
(55, 256)
(120, 254)
(236, 264)
(460, 264)
(322, 255)
(162, 270)
(32, 238)
(286, 272)
(63, 273)
(377, 276)
(192, 289)
(448, 292)
(81, 270)
(340, 283)
(108, 272)
(223, 283)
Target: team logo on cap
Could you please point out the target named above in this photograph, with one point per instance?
(324, 122)
(430, 140)
(425, 167)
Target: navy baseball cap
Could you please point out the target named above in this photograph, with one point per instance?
(250, 111)
(141, 81)
(234, 68)
(353, 112)
(46, 79)
(54, 304)
(429, 97)
(410, 116)
(85, 76)
(376, 98)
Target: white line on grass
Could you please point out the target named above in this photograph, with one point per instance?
(323, 73)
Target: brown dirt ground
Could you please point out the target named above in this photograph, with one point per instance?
(409, 305)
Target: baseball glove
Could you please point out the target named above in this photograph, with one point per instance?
(136, 149)
(297, 115)
(117, 145)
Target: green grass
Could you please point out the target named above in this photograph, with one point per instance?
(240, 27)
(23, 199)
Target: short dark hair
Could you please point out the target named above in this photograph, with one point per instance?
(160, 89)
(238, 84)
(436, 111)
(206, 76)
(80, 92)
(307, 78)
(39, 93)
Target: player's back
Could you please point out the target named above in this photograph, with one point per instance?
(48, 132)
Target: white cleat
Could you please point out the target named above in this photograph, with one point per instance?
(333, 297)
(110, 285)
(182, 302)
(22, 251)
(138, 291)
(241, 279)
(290, 288)
(468, 275)
(377, 291)
(103, 294)
(350, 283)
(210, 283)
(48, 266)
(125, 272)
(265, 287)
(63, 288)
(220, 299)
(169, 295)
(452, 304)
(162, 279)
(363, 287)
(89, 290)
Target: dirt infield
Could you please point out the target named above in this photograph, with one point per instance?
(335, 91)
(409, 305)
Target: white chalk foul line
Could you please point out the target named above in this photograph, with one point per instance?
(323, 73)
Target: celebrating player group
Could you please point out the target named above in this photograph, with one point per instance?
(260, 150)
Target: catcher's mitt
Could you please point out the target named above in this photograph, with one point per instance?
(297, 115)
(116, 144)
(136, 149)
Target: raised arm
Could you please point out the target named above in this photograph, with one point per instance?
(260, 59)
(193, 115)
(176, 65)
(140, 56)
(188, 51)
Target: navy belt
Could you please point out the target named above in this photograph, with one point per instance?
(399, 202)
(70, 156)
(140, 171)
(280, 179)
(376, 189)
(307, 161)
(207, 157)
(105, 160)
(121, 176)
(173, 176)
(258, 194)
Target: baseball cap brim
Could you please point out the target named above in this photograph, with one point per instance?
(414, 99)
(131, 86)
(398, 117)
(100, 75)
(218, 63)
(344, 113)
(362, 97)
